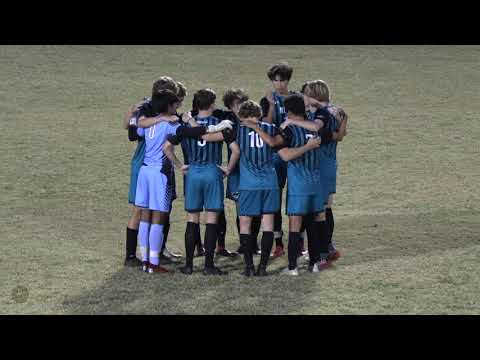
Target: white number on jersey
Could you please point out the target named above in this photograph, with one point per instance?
(201, 142)
(151, 132)
(255, 140)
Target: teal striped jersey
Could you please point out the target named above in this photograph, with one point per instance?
(328, 150)
(200, 152)
(303, 173)
(257, 171)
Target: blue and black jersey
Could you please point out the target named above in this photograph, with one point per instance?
(257, 171)
(303, 173)
(202, 153)
(279, 115)
(329, 149)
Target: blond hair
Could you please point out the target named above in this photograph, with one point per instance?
(317, 89)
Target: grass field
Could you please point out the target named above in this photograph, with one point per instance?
(406, 214)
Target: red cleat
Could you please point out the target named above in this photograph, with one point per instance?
(157, 269)
(334, 256)
(278, 252)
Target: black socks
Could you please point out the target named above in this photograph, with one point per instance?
(293, 248)
(131, 244)
(246, 241)
(191, 234)
(166, 229)
(330, 223)
(210, 243)
(222, 229)
(267, 243)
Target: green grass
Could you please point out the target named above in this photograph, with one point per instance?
(406, 212)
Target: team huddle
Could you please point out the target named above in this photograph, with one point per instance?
(289, 139)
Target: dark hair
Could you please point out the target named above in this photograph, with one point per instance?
(203, 99)
(162, 100)
(283, 70)
(234, 94)
(304, 86)
(295, 104)
(164, 83)
(248, 109)
(182, 90)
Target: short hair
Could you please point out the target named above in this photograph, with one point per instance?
(248, 109)
(304, 86)
(164, 83)
(182, 90)
(203, 99)
(162, 100)
(317, 89)
(234, 94)
(295, 104)
(283, 70)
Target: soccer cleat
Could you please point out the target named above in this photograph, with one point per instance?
(278, 252)
(322, 264)
(157, 269)
(224, 252)
(145, 265)
(187, 270)
(293, 272)
(171, 254)
(132, 261)
(334, 256)
(213, 271)
(249, 271)
(261, 271)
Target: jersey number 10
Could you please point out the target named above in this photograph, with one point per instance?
(255, 140)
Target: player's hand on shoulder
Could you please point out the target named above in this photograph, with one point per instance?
(225, 124)
(269, 96)
(285, 124)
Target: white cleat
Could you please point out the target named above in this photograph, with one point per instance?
(293, 272)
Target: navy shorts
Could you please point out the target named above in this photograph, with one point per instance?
(301, 205)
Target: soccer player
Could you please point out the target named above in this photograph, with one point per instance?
(305, 196)
(273, 110)
(258, 187)
(204, 180)
(317, 95)
(130, 124)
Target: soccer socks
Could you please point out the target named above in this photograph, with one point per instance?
(277, 228)
(321, 230)
(166, 229)
(155, 241)
(330, 225)
(246, 241)
(256, 223)
(222, 230)
(293, 247)
(143, 234)
(192, 233)
(313, 243)
(266, 244)
(131, 243)
(210, 243)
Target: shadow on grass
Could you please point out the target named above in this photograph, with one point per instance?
(362, 239)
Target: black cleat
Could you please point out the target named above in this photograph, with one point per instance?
(225, 252)
(213, 271)
(261, 271)
(249, 271)
(132, 261)
(187, 270)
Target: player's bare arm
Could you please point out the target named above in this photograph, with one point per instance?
(168, 149)
(146, 122)
(272, 141)
(313, 126)
(271, 107)
(288, 154)
(234, 158)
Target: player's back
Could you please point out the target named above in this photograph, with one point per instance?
(155, 137)
(328, 150)
(202, 153)
(303, 172)
(257, 170)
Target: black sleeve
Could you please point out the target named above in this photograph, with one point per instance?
(265, 105)
(228, 136)
(174, 139)
(193, 132)
(132, 133)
